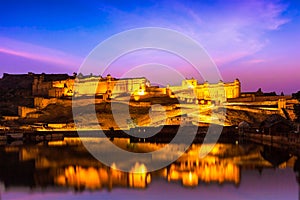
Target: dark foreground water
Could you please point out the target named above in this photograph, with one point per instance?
(65, 170)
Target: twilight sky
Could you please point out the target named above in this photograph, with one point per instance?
(255, 41)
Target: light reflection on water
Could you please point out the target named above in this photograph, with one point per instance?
(65, 170)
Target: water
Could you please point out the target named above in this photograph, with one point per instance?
(65, 170)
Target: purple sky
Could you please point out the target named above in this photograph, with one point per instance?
(255, 41)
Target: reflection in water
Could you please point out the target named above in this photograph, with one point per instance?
(67, 164)
(93, 178)
(190, 169)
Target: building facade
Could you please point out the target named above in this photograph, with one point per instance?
(53, 85)
(108, 86)
(191, 90)
(63, 85)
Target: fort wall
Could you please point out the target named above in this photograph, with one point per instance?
(268, 111)
(23, 111)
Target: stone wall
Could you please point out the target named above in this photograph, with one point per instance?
(139, 104)
(253, 98)
(41, 102)
(267, 111)
(52, 88)
(23, 111)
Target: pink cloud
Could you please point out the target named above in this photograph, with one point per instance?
(38, 53)
(255, 61)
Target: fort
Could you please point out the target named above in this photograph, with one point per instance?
(47, 98)
(191, 90)
(62, 85)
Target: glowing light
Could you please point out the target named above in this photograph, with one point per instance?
(139, 168)
(138, 176)
(190, 179)
(141, 92)
(190, 176)
(114, 166)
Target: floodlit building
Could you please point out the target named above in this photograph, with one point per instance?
(108, 87)
(190, 90)
(63, 85)
(53, 85)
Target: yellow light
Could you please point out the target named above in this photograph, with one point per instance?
(141, 92)
(190, 179)
(113, 166)
(190, 176)
(139, 168)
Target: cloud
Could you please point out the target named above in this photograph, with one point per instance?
(38, 53)
(228, 31)
(256, 61)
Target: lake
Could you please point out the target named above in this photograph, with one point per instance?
(66, 170)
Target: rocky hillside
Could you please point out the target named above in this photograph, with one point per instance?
(15, 90)
(63, 114)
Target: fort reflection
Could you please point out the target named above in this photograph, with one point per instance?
(93, 178)
(67, 164)
(190, 169)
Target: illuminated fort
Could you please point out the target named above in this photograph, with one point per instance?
(191, 91)
(62, 85)
(41, 90)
